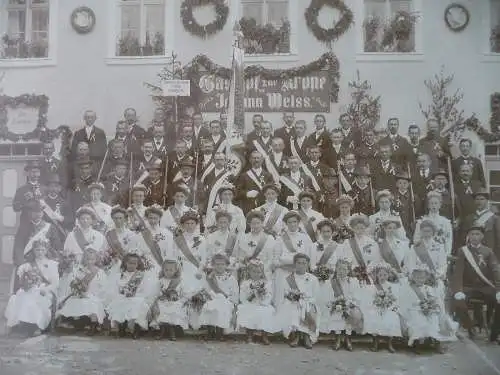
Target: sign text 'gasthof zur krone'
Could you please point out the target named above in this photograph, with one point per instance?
(308, 93)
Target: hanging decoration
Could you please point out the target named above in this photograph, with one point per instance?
(210, 29)
(341, 26)
(495, 112)
(473, 124)
(327, 61)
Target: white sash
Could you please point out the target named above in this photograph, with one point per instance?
(222, 145)
(296, 190)
(144, 175)
(254, 178)
(38, 236)
(269, 164)
(213, 197)
(50, 212)
(177, 177)
(484, 217)
(472, 262)
(304, 167)
(346, 185)
(207, 170)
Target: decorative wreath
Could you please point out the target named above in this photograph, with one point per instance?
(193, 27)
(328, 35)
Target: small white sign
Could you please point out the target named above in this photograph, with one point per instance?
(176, 87)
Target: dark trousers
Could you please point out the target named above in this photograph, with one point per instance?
(462, 310)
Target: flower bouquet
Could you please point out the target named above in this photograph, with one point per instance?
(146, 262)
(66, 263)
(294, 296)
(322, 272)
(130, 289)
(361, 274)
(197, 301)
(258, 289)
(169, 295)
(385, 300)
(429, 306)
(343, 233)
(78, 287)
(341, 305)
(29, 279)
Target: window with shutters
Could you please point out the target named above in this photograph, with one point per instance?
(390, 26)
(27, 29)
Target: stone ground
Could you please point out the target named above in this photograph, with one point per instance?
(79, 355)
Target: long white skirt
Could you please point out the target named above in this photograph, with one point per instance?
(217, 312)
(174, 313)
(381, 323)
(122, 309)
(257, 317)
(29, 307)
(76, 307)
(437, 326)
(290, 315)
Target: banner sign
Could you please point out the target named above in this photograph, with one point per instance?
(308, 93)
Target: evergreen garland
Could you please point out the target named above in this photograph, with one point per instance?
(194, 28)
(331, 34)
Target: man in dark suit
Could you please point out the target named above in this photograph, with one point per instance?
(383, 169)
(94, 136)
(117, 184)
(50, 164)
(347, 170)
(294, 181)
(199, 131)
(159, 142)
(217, 136)
(186, 180)
(465, 187)
(401, 150)
(362, 193)
(143, 161)
(134, 131)
(264, 139)
(414, 143)
(205, 158)
(132, 145)
(351, 137)
(154, 184)
(368, 147)
(287, 131)
(187, 135)
(422, 175)
(441, 185)
(435, 146)
(277, 156)
(314, 164)
(465, 146)
(257, 121)
(117, 154)
(299, 143)
(338, 149)
(250, 183)
(321, 138)
(407, 206)
(176, 158)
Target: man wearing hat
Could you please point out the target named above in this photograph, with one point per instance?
(362, 192)
(422, 175)
(408, 205)
(484, 217)
(476, 275)
(154, 184)
(329, 194)
(186, 181)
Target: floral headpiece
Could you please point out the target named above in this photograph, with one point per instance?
(36, 244)
(434, 194)
(374, 270)
(382, 194)
(344, 261)
(154, 209)
(190, 215)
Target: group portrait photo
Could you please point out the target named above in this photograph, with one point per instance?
(236, 172)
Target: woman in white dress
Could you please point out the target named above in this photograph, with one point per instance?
(309, 218)
(219, 313)
(380, 306)
(171, 300)
(298, 315)
(129, 305)
(256, 244)
(238, 221)
(430, 254)
(81, 238)
(340, 306)
(424, 313)
(30, 309)
(292, 241)
(121, 239)
(222, 241)
(137, 209)
(393, 248)
(273, 212)
(444, 229)
(255, 311)
(344, 232)
(172, 216)
(384, 200)
(102, 210)
(85, 296)
(189, 250)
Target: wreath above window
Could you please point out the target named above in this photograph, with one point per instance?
(210, 29)
(340, 27)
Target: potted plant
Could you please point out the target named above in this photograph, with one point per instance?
(158, 44)
(371, 27)
(9, 47)
(284, 39)
(495, 39)
(147, 48)
(38, 49)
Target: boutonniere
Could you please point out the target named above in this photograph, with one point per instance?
(481, 262)
(197, 241)
(217, 243)
(307, 278)
(312, 219)
(395, 146)
(263, 210)
(321, 247)
(158, 237)
(367, 249)
(252, 244)
(92, 138)
(437, 146)
(299, 244)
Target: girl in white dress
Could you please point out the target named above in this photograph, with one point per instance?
(85, 296)
(298, 315)
(393, 248)
(171, 300)
(341, 313)
(102, 210)
(238, 221)
(344, 232)
(30, 309)
(309, 217)
(222, 241)
(137, 209)
(384, 200)
(256, 244)
(255, 311)
(128, 307)
(219, 313)
(444, 229)
(172, 216)
(423, 310)
(292, 241)
(380, 306)
(273, 212)
(81, 238)
(189, 250)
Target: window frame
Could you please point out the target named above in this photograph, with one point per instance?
(114, 9)
(488, 54)
(293, 18)
(52, 30)
(361, 55)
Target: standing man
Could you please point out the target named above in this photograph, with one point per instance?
(135, 132)
(287, 131)
(257, 121)
(414, 143)
(277, 156)
(465, 188)
(199, 131)
(368, 149)
(217, 136)
(383, 169)
(321, 138)
(351, 137)
(159, 141)
(264, 139)
(93, 136)
(435, 146)
(298, 143)
(401, 149)
(50, 164)
(465, 147)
